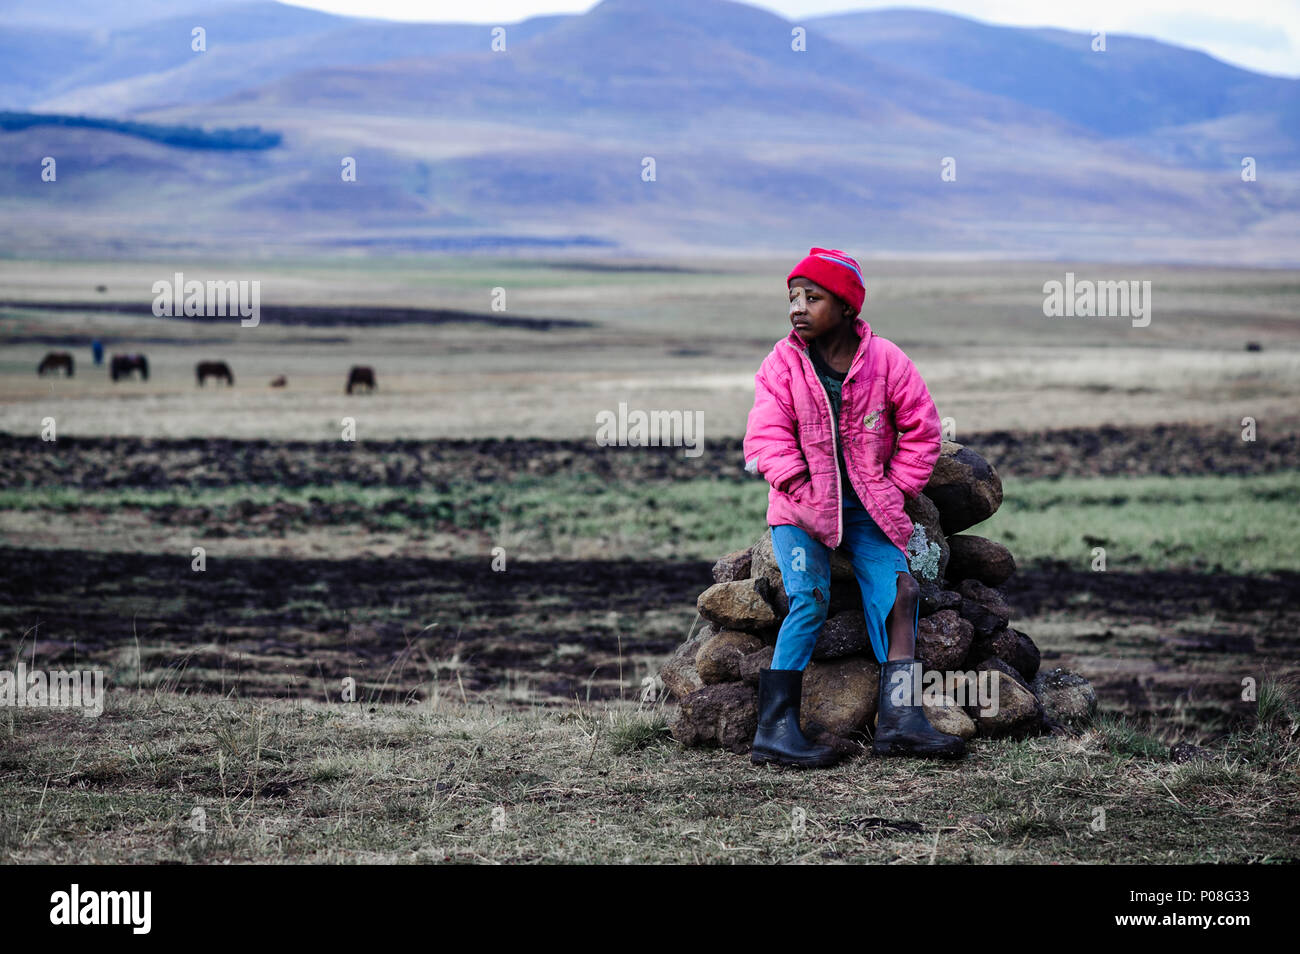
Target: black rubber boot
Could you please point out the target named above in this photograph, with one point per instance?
(903, 729)
(779, 738)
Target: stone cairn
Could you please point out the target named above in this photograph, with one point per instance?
(965, 627)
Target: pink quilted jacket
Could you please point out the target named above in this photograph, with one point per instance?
(888, 423)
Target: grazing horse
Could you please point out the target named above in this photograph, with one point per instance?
(214, 369)
(279, 382)
(54, 361)
(360, 375)
(124, 365)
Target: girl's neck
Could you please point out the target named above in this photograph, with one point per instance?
(838, 347)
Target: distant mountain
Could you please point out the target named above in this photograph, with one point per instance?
(1136, 87)
(101, 14)
(151, 64)
(1057, 150)
(654, 61)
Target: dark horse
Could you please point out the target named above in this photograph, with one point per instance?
(214, 369)
(360, 375)
(54, 361)
(123, 365)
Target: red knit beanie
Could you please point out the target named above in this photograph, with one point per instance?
(834, 271)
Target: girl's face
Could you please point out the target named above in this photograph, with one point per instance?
(813, 310)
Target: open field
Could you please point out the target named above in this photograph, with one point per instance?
(162, 777)
(329, 559)
(373, 401)
(384, 574)
(664, 337)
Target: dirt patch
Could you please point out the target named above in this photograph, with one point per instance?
(107, 462)
(1165, 648)
(288, 627)
(319, 315)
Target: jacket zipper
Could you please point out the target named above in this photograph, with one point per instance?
(835, 455)
(839, 509)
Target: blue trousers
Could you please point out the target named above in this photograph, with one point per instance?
(806, 573)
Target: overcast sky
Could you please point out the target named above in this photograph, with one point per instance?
(1262, 35)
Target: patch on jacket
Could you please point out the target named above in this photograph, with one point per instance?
(873, 418)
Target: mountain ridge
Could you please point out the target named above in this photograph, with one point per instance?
(1054, 147)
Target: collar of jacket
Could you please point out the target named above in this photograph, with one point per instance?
(859, 325)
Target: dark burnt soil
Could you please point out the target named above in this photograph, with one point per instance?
(319, 315)
(104, 462)
(297, 627)
(285, 627)
(1156, 597)
(1167, 649)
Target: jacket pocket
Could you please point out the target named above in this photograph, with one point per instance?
(795, 507)
(893, 483)
(894, 501)
(799, 486)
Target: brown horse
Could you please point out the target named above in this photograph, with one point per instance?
(124, 365)
(361, 375)
(54, 361)
(214, 369)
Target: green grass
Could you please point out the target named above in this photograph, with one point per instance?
(161, 777)
(1242, 524)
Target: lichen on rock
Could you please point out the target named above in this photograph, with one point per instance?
(923, 555)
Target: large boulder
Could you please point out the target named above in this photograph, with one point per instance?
(1013, 647)
(751, 663)
(678, 674)
(763, 567)
(737, 605)
(984, 621)
(972, 557)
(935, 598)
(946, 716)
(986, 596)
(1067, 697)
(1017, 712)
(964, 486)
(993, 662)
(943, 640)
(724, 715)
(839, 696)
(719, 657)
(927, 549)
(732, 567)
(844, 634)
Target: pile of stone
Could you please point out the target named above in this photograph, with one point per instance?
(964, 632)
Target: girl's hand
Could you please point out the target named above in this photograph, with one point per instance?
(797, 483)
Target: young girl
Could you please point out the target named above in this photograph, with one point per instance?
(844, 429)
